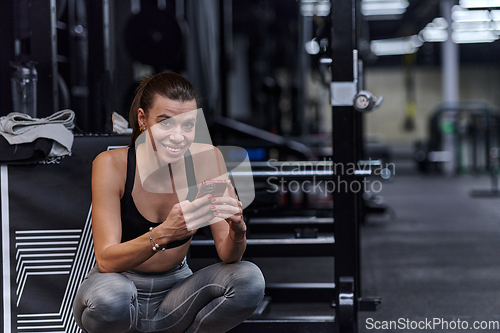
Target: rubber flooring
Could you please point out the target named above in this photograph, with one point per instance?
(434, 258)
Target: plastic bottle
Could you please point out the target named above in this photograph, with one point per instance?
(23, 82)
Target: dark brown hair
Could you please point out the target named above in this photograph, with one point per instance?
(167, 84)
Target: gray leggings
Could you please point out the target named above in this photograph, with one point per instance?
(213, 299)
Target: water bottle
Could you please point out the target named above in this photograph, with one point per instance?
(23, 82)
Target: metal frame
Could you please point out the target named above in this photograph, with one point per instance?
(347, 148)
(6, 54)
(101, 66)
(43, 50)
(78, 60)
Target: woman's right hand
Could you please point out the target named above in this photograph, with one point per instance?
(183, 220)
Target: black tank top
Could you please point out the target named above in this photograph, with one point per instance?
(133, 223)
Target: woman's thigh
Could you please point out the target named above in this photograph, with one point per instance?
(220, 296)
(105, 302)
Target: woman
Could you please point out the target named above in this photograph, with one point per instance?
(141, 282)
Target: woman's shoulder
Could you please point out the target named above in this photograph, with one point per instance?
(114, 159)
(109, 172)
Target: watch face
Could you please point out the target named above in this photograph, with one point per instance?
(362, 102)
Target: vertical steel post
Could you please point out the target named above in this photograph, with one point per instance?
(43, 50)
(449, 59)
(450, 87)
(347, 146)
(78, 61)
(6, 54)
(100, 66)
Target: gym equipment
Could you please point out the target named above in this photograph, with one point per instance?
(365, 101)
(494, 191)
(347, 143)
(474, 127)
(280, 234)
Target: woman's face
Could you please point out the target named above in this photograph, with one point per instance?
(172, 126)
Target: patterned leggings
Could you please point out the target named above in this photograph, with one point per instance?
(214, 299)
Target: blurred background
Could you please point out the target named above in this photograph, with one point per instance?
(424, 240)
(257, 62)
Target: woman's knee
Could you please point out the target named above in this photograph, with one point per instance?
(106, 303)
(248, 281)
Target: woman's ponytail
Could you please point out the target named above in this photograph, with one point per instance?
(134, 110)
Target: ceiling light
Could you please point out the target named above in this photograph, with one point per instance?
(496, 28)
(440, 22)
(396, 46)
(383, 12)
(461, 15)
(435, 31)
(383, 7)
(471, 26)
(479, 3)
(495, 15)
(315, 7)
(433, 34)
(461, 37)
(468, 26)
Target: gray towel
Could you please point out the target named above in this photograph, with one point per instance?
(18, 123)
(18, 128)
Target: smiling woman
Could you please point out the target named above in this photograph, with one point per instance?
(143, 199)
(171, 129)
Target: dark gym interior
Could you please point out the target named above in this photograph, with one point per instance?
(372, 129)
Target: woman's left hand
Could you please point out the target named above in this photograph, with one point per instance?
(230, 209)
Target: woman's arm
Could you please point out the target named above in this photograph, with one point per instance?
(229, 234)
(108, 177)
(230, 244)
(107, 184)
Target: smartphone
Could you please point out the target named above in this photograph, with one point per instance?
(214, 187)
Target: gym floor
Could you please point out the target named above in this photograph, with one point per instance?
(436, 255)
